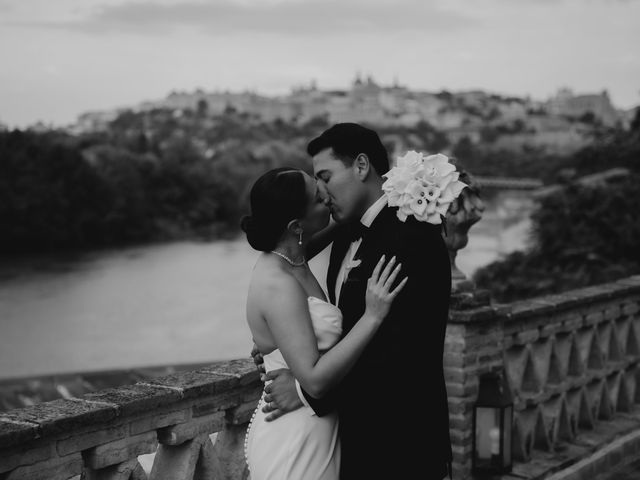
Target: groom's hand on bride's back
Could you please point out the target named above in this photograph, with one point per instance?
(281, 395)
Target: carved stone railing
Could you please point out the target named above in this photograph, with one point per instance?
(101, 435)
(571, 360)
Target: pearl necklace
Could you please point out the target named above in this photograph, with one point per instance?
(289, 261)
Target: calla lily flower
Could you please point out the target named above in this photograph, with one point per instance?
(422, 186)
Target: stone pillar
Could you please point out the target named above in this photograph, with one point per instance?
(228, 454)
(473, 346)
(473, 342)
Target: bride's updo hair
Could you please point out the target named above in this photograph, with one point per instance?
(276, 198)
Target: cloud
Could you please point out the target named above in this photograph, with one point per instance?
(286, 17)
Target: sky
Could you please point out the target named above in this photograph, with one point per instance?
(60, 58)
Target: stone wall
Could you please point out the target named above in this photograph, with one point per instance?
(100, 435)
(571, 360)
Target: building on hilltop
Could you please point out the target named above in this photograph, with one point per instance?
(95, 121)
(512, 109)
(565, 103)
(459, 114)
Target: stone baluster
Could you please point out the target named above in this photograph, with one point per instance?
(473, 342)
(186, 450)
(118, 460)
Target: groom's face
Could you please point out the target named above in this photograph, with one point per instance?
(339, 185)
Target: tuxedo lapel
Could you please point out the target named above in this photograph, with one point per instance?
(352, 296)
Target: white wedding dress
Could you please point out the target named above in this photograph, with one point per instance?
(299, 445)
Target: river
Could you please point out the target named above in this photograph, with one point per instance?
(165, 304)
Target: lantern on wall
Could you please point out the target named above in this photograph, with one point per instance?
(492, 424)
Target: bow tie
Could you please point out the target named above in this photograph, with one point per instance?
(355, 230)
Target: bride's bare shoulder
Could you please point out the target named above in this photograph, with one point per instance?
(270, 279)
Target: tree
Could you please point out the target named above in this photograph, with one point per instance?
(202, 108)
(583, 235)
(50, 197)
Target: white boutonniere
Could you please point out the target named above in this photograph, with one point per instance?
(353, 263)
(422, 186)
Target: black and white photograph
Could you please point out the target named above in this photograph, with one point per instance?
(319, 239)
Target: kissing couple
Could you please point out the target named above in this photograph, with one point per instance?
(354, 383)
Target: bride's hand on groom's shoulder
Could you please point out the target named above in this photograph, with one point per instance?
(382, 288)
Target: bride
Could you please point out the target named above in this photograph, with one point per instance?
(294, 326)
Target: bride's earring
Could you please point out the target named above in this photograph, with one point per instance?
(300, 238)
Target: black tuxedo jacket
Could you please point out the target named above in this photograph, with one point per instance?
(392, 405)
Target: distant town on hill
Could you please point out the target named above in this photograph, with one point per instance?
(560, 124)
(182, 167)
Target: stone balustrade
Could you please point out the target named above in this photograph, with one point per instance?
(572, 361)
(101, 435)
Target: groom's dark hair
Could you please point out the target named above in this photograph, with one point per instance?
(348, 140)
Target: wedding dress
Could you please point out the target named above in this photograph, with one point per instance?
(299, 445)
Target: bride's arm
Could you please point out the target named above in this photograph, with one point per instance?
(296, 339)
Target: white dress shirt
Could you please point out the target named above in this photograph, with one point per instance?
(348, 263)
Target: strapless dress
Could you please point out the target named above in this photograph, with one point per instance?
(299, 445)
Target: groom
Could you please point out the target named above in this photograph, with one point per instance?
(387, 429)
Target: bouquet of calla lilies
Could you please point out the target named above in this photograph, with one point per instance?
(422, 186)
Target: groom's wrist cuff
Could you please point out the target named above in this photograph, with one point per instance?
(302, 399)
